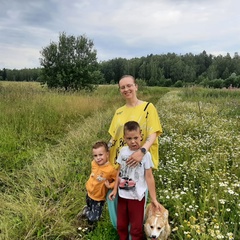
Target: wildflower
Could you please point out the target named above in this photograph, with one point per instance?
(198, 231)
(222, 201)
(222, 184)
(220, 236)
(230, 191)
(193, 219)
(212, 233)
(175, 229)
(216, 226)
(230, 236)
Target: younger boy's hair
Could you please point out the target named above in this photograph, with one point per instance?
(131, 126)
(100, 144)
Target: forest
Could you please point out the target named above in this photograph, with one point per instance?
(166, 70)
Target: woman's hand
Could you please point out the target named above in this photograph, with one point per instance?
(135, 158)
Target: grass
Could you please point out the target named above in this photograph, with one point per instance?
(46, 153)
(199, 171)
(32, 117)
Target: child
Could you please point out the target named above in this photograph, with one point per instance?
(102, 178)
(132, 185)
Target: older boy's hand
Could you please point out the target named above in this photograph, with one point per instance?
(112, 195)
(157, 205)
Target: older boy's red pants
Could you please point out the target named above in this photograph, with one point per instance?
(130, 212)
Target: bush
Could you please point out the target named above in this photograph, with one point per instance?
(179, 83)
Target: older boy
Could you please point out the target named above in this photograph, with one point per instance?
(132, 185)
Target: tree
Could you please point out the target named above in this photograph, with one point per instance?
(70, 64)
(203, 61)
(4, 74)
(108, 71)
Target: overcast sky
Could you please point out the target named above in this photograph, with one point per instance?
(118, 28)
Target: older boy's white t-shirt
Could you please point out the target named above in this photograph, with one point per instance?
(134, 177)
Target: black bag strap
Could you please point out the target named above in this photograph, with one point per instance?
(146, 106)
(146, 109)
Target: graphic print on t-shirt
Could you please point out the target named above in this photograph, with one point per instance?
(128, 176)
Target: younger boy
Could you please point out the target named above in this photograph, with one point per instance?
(132, 185)
(102, 178)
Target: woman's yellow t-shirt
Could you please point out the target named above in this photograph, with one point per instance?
(147, 117)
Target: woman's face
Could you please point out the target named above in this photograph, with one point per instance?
(127, 87)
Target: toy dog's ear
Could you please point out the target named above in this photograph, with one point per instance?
(147, 228)
(166, 214)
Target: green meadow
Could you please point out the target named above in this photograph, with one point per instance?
(45, 155)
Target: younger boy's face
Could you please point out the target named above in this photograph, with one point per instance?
(133, 139)
(100, 155)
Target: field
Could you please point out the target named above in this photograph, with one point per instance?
(45, 154)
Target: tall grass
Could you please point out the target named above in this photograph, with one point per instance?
(227, 99)
(32, 117)
(198, 178)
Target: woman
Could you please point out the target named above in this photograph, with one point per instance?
(146, 115)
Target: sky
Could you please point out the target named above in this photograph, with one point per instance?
(118, 28)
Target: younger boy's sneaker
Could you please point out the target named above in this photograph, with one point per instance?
(82, 213)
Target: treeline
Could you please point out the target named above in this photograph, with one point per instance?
(177, 70)
(26, 74)
(159, 70)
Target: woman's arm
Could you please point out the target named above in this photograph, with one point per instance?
(110, 143)
(137, 156)
(149, 141)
